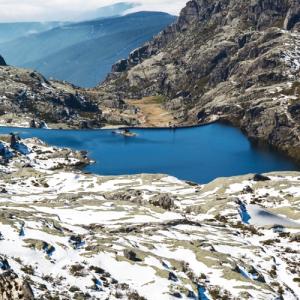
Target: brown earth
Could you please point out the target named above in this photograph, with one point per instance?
(152, 112)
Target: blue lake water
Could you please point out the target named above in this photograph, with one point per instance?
(199, 154)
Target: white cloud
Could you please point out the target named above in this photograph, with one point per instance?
(46, 10)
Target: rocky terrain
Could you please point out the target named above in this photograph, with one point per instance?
(70, 235)
(233, 61)
(26, 95)
(67, 234)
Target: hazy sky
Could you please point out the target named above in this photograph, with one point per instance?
(45, 10)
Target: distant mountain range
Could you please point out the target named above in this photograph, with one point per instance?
(12, 31)
(82, 53)
(108, 11)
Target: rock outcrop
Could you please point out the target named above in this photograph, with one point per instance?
(26, 92)
(14, 288)
(33, 153)
(2, 61)
(233, 61)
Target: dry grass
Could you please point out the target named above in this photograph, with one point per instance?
(153, 114)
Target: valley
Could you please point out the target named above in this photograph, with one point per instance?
(145, 156)
(82, 53)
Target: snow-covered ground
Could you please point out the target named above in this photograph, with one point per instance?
(80, 236)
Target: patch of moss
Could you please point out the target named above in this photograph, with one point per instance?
(160, 99)
(34, 244)
(133, 89)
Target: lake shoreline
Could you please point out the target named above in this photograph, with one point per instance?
(116, 127)
(255, 142)
(195, 153)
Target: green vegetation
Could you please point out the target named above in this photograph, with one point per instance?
(279, 23)
(28, 269)
(201, 85)
(120, 80)
(160, 99)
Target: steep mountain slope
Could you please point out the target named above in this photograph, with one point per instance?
(82, 53)
(233, 61)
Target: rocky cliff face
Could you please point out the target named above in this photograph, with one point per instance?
(235, 61)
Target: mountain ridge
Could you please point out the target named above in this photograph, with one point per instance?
(108, 11)
(28, 96)
(10, 31)
(77, 52)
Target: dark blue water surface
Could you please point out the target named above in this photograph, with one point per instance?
(199, 154)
